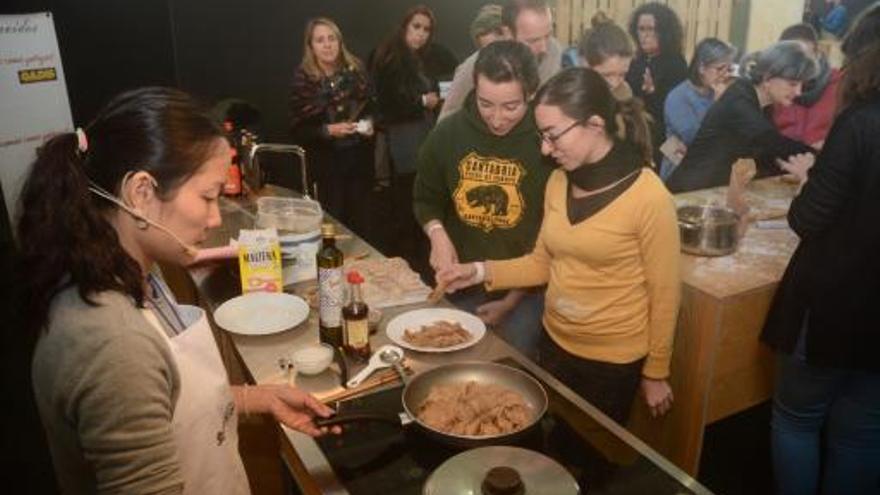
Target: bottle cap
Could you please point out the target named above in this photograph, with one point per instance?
(355, 278)
(328, 230)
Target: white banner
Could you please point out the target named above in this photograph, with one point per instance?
(33, 96)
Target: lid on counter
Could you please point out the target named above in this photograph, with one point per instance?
(501, 470)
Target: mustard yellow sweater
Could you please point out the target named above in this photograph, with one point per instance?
(613, 279)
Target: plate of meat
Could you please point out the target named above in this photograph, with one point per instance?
(436, 330)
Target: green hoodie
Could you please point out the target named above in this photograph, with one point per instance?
(487, 190)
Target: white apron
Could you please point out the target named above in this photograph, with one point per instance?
(205, 421)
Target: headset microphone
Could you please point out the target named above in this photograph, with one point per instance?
(189, 249)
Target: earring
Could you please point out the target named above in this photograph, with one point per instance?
(141, 224)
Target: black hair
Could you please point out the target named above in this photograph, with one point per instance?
(707, 52)
(604, 39)
(64, 236)
(395, 50)
(861, 46)
(800, 32)
(581, 93)
(666, 23)
(508, 60)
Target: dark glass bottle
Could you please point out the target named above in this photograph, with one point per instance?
(331, 287)
(356, 329)
(232, 187)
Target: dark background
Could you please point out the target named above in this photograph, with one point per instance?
(217, 49)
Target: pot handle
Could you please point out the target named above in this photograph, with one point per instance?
(354, 417)
(688, 225)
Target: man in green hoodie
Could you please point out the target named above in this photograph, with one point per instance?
(479, 188)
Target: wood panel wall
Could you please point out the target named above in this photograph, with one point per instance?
(700, 18)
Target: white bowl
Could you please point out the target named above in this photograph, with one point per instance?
(312, 359)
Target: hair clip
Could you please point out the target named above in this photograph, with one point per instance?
(82, 143)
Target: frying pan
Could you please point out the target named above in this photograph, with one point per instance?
(416, 391)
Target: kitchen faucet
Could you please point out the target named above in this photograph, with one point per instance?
(253, 173)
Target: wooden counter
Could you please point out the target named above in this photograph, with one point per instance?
(719, 366)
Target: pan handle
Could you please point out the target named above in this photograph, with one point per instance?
(353, 417)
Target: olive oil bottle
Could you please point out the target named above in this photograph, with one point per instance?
(331, 288)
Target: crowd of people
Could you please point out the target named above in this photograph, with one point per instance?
(567, 243)
(542, 194)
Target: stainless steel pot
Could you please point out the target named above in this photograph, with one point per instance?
(708, 230)
(416, 391)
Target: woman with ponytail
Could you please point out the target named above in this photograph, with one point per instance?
(130, 386)
(607, 49)
(608, 249)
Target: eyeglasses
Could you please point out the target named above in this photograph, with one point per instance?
(552, 138)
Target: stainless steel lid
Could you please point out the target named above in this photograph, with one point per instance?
(466, 473)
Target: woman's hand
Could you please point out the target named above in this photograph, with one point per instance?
(493, 312)
(287, 404)
(430, 100)
(720, 87)
(457, 276)
(648, 82)
(658, 396)
(443, 253)
(680, 150)
(798, 165)
(341, 129)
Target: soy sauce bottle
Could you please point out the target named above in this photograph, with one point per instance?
(356, 329)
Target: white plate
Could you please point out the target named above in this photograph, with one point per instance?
(261, 313)
(416, 319)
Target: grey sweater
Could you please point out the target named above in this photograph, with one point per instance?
(106, 385)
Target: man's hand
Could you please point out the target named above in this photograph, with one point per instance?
(443, 253)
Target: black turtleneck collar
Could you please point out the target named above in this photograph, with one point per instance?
(617, 169)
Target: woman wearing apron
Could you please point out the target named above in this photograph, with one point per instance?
(129, 385)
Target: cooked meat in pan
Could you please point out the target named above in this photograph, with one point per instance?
(474, 409)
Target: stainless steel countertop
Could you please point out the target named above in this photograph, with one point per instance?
(259, 354)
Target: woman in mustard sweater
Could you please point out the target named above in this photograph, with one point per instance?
(608, 249)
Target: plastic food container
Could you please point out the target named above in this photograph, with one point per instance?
(289, 215)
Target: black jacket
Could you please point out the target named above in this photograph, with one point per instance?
(734, 127)
(667, 70)
(402, 79)
(832, 282)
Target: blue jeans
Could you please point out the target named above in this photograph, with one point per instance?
(521, 327)
(845, 404)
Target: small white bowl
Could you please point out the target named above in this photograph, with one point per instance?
(312, 359)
